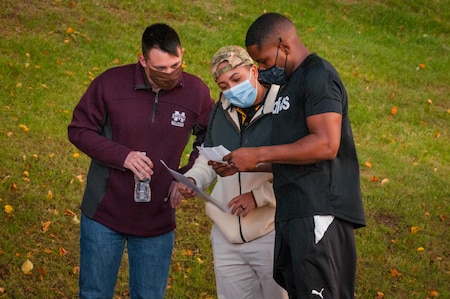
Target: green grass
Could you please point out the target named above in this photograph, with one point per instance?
(389, 54)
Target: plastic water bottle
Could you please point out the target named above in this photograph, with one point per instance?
(142, 192)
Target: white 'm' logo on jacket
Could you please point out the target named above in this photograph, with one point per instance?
(178, 119)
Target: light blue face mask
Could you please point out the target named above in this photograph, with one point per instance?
(242, 95)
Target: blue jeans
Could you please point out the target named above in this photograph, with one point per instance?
(101, 251)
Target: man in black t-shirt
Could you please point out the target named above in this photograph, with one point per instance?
(314, 162)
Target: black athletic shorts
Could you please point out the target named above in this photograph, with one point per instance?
(325, 270)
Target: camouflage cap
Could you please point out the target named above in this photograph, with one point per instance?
(234, 55)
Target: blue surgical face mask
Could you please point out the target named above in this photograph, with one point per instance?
(274, 74)
(242, 95)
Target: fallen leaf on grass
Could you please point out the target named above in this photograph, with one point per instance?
(379, 295)
(42, 273)
(9, 209)
(62, 251)
(27, 266)
(75, 220)
(394, 110)
(24, 127)
(395, 273)
(45, 225)
(91, 75)
(80, 178)
(434, 293)
(177, 266)
(48, 250)
(69, 213)
(414, 229)
(368, 164)
(420, 249)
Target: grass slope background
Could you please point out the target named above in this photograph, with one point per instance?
(393, 57)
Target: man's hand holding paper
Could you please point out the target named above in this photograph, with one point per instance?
(199, 193)
(215, 156)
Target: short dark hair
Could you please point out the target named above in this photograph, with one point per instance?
(267, 27)
(160, 36)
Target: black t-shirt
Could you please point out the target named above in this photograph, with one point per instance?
(328, 187)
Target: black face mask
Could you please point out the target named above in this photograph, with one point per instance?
(274, 74)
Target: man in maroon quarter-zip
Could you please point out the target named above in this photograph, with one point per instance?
(150, 107)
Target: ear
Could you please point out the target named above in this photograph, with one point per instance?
(284, 46)
(142, 61)
(254, 68)
(181, 52)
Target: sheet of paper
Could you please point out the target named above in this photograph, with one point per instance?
(215, 153)
(200, 193)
